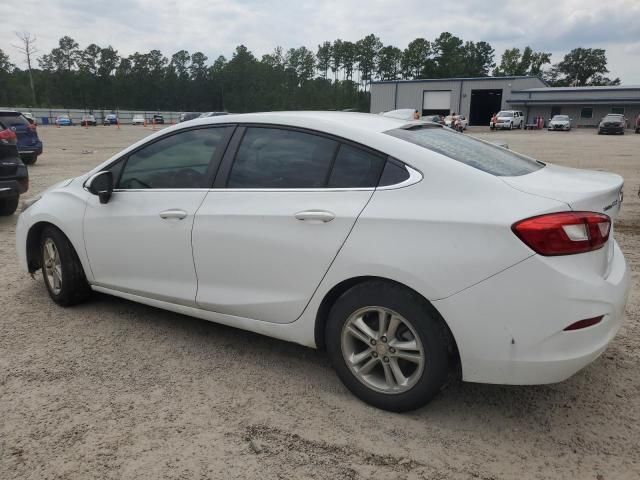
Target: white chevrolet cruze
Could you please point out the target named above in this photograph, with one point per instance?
(404, 249)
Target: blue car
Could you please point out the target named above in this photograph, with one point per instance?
(29, 145)
(111, 119)
(63, 121)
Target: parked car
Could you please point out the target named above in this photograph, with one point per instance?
(87, 120)
(560, 122)
(14, 177)
(28, 143)
(30, 117)
(184, 117)
(212, 114)
(111, 119)
(612, 123)
(433, 118)
(137, 119)
(64, 121)
(157, 119)
(508, 119)
(457, 122)
(400, 113)
(508, 271)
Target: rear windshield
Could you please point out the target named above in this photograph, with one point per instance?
(473, 152)
(10, 119)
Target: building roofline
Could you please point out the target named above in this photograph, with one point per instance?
(584, 101)
(458, 79)
(578, 89)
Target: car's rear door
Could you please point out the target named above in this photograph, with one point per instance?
(282, 208)
(140, 241)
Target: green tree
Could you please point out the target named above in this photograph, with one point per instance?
(389, 59)
(478, 59)
(323, 56)
(584, 66)
(449, 56)
(527, 63)
(417, 61)
(367, 56)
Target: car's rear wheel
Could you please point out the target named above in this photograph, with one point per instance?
(8, 206)
(61, 268)
(388, 346)
(29, 159)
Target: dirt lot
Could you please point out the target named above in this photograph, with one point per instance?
(112, 389)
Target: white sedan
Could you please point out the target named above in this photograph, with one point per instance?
(137, 119)
(405, 250)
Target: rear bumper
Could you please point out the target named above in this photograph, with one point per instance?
(36, 149)
(12, 188)
(510, 328)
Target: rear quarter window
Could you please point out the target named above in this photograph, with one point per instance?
(468, 150)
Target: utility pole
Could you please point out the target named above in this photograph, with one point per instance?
(28, 49)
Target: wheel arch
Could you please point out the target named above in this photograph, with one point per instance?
(33, 243)
(339, 289)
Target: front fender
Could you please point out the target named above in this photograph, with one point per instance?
(62, 207)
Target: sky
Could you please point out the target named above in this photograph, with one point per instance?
(216, 27)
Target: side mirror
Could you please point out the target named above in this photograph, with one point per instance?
(101, 184)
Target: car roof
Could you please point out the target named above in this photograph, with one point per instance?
(317, 120)
(12, 112)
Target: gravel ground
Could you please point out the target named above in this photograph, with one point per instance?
(112, 389)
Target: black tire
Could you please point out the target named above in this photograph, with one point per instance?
(424, 319)
(30, 159)
(8, 206)
(74, 287)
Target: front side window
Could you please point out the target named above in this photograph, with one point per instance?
(468, 150)
(279, 158)
(177, 161)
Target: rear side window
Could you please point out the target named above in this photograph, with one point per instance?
(9, 120)
(279, 158)
(177, 161)
(355, 168)
(468, 150)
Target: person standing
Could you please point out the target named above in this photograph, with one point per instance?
(416, 115)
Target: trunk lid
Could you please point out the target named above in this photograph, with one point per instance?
(581, 190)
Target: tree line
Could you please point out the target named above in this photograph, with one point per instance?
(336, 75)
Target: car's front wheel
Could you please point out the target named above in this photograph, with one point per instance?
(8, 206)
(388, 346)
(61, 268)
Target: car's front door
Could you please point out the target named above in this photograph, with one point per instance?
(140, 241)
(264, 239)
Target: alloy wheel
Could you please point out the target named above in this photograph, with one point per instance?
(382, 350)
(52, 266)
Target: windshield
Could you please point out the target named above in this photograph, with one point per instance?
(505, 114)
(561, 118)
(468, 150)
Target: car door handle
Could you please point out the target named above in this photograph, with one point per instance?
(315, 215)
(173, 213)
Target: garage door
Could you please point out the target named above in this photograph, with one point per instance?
(436, 102)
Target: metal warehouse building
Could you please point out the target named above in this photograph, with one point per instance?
(479, 98)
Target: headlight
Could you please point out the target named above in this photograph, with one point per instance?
(27, 203)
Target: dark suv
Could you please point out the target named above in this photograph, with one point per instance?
(14, 178)
(29, 145)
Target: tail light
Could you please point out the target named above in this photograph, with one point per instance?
(33, 127)
(564, 233)
(8, 136)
